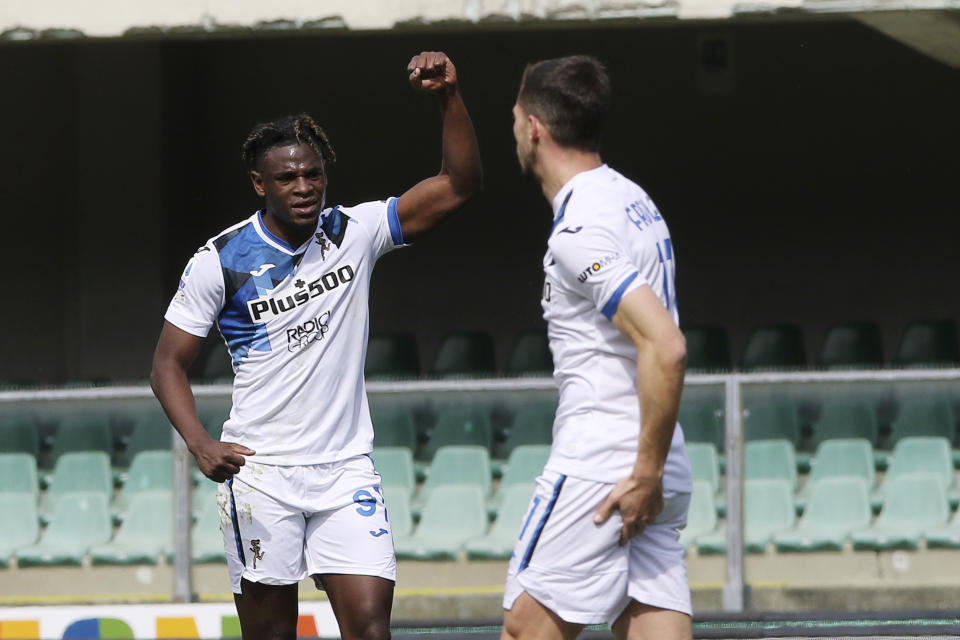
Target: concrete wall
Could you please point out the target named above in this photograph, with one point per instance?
(809, 179)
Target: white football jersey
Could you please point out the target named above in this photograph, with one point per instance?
(607, 240)
(295, 320)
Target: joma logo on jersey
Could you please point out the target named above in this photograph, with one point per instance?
(308, 332)
(302, 291)
(596, 266)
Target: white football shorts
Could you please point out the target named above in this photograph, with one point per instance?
(283, 523)
(578, 570)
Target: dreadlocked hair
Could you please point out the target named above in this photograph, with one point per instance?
(297, 129)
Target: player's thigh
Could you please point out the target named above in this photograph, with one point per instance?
(267, 611)
(643, 622)
(263, 536)
(361, 604)
(527, 619)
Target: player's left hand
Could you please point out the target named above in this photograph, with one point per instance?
(639, 502)
(432, 71)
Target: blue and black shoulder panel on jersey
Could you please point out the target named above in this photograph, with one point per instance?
(335, 226)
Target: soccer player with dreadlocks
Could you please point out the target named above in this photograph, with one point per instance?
(288, 289)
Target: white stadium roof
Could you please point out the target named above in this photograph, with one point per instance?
(931, 26)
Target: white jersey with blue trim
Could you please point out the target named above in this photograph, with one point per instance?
(607, 240)
(295, 320)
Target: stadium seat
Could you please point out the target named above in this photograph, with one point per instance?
(774, 347)
(702, 516)
(837, 507)
(919, 454)
(87, 471)
(928, 344)
(464, 354)
(531, 425)
(840, 457)
(18, 474)
(458, 465)
(924, 415)
(399, 512)
(915, 501)
(704, 464)
(392, 355)
(145, 535)
(701, 416)
(79, 521)
(768, 510)
(20, 525)
(770, 460)
(708, 349)
(453, 514)
(499, 542)
(206, 538)
(213, 418)
(945, 536)
(395, 466)
(852, 346)
(531, 355)
(393, 426)
(149, 471)
(151, 432)
(82, 432)
(202, 494)
(459, 425)
(218, 366)
(771, 419)
(845, 419)
(524, 465)
(19, 434)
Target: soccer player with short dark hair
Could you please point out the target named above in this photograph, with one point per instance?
(288, 289)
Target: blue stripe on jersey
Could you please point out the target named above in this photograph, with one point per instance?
(396, 231)
(236, 523)
(251, 267)
(666, 286)
(611, 307)
(563, 209)
(540, 525)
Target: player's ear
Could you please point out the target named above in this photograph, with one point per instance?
(536, 128)
(257, 181)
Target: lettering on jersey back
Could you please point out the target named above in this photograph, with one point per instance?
(643, 213)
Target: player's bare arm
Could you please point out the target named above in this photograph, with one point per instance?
(176, 351)
(428, 202)
(661, 364)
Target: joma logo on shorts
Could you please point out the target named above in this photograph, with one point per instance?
(302, 291)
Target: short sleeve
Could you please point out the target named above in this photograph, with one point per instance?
(199, 297)
(591, 261)
(381, 221)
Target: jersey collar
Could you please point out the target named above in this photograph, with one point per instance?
(274, 240)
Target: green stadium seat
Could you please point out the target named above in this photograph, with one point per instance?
(531, 425)
(458, 465)
(774, 347)
(86, 471)
(83, 432)
(393, 426)
(395, 466)
(206, 538)
(218, 366)
(459, 426)
(945, 536)
(19, 434)
(149, 471)
(202, 494)
(770, 459)
(845, 419)
(151, 432)
(919, 454)
(702, 516)
(704, 464)
(145, 535)
(701, 417)
(464, 354)
(20, 525)
(525, 464)
(771, 419)
(79, 521)
(924, 415)
(840, 457)
(837, 507)
(213, 419)
(531, 355)
(453, 514)
(852, 346)
(499, 542)
(399, 512)
(18, 474)
(392, 355)
(928, 344)
(768, 510)
(915, 501)
(708, 349)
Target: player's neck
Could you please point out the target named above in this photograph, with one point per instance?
(293, 235)
(560, 165)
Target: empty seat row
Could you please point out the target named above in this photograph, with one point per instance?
(845, 346)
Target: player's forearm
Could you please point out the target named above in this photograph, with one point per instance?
(660, 372)
(172, 388)
(461, 152)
